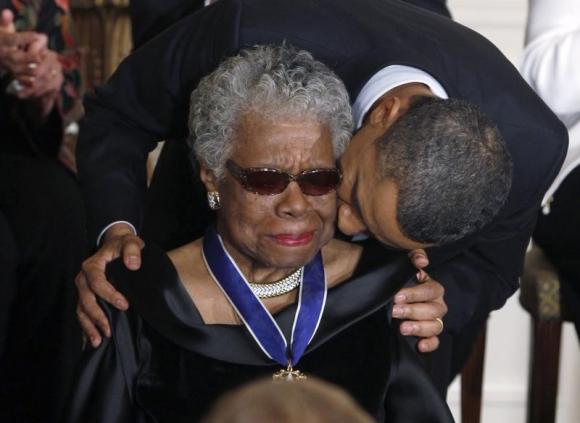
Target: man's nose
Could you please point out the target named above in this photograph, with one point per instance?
(349, 222)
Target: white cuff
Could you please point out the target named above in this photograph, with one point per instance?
(111, 224)
(572, 161)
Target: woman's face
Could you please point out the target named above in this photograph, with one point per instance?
(283, 230)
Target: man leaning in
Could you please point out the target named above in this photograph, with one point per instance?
(417, 80)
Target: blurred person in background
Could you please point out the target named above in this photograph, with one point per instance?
(551, 66)
(42, 236)
(309, 401)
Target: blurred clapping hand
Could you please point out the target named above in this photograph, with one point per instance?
(35, 70)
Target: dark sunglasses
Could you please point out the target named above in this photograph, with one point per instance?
(265, 181)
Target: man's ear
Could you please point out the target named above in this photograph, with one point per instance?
(208, 178)
(385, 112)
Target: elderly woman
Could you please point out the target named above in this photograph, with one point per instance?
(267, 291)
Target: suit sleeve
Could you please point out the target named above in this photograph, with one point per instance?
(146, 101)
(150, 17)
(435, 6)
(482, 277)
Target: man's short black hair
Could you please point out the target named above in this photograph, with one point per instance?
(451, 166)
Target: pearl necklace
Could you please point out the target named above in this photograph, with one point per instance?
(280, 287)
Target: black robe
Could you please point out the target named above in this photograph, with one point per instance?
(164, 364)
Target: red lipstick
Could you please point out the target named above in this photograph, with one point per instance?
(294, 240)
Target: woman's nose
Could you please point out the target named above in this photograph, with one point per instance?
(293, 202)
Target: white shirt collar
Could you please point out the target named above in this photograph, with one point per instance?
(385, 80)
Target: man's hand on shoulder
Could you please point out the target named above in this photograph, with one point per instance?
(421, 307)
(119, 240)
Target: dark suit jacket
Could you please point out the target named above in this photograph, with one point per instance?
(150, 17)
(146, 100)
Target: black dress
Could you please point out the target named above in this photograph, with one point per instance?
(163, 364)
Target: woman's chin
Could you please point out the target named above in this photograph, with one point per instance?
(292, 255)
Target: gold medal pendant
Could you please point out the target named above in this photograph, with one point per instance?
(288, 375)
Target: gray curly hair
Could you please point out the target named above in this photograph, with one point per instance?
(273, 82)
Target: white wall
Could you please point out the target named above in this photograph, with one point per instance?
(507, 353)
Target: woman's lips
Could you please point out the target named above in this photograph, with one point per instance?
(294, 240)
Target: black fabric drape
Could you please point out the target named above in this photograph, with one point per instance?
(164, 364)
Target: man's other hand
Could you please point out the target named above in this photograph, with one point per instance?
(119, 240)
(421, 307)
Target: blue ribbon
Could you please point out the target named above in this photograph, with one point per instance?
(256, 317)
